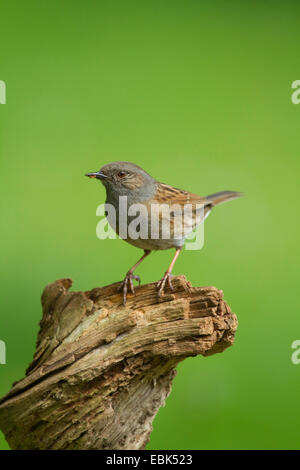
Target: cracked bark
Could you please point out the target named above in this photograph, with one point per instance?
(101, 371)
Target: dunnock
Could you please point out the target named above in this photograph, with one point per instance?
(127, 179)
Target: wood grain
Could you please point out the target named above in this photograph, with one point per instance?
(101, 371)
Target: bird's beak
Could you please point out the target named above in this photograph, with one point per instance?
(98, 175)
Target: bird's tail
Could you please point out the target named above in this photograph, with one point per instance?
(223, 196)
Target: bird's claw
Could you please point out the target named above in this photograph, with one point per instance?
(162, 283)
(128, 283)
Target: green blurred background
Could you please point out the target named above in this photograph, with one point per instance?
(199, 94)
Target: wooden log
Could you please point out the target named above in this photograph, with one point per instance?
(101, 371)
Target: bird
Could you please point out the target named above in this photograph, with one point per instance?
(130, 181)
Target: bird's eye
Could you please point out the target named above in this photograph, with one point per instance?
(121, 174)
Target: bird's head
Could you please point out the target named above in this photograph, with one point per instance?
(125, 178)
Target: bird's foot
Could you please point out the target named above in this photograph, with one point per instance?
(162, 284)
(127, 284)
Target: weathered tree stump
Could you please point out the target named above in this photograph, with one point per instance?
(101, 371)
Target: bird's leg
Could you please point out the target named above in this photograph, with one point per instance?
(167, 277)
(130, 276)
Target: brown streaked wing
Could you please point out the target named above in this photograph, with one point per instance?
(166, 194)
